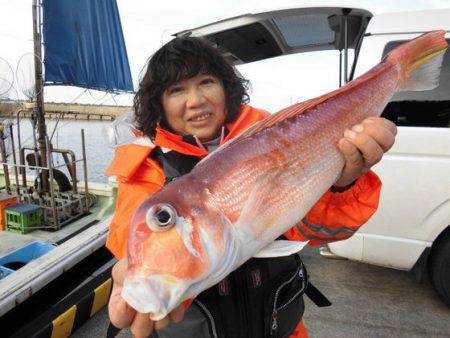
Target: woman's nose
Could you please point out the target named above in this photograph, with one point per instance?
(194, 98)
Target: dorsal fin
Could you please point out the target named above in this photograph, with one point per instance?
(283, 114)
(300, 108)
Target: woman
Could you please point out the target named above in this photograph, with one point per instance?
(189, 102)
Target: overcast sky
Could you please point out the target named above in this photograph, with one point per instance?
(148, 24)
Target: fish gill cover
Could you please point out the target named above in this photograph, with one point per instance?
(84, 45)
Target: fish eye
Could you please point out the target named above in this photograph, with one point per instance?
(161, 217)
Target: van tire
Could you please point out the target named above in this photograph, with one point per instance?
(440, 267)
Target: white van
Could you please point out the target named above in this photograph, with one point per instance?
(411, 229)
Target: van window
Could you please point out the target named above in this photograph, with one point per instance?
(422, 109)
(305, 30)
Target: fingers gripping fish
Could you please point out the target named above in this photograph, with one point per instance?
(240, 198)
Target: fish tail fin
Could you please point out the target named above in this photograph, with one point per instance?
(420, 61)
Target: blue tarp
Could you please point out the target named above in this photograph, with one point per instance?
(84, 45)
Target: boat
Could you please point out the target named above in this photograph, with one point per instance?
(54, 268)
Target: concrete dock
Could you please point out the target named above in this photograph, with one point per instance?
(368, 301)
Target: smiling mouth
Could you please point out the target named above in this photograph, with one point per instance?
(201, 117)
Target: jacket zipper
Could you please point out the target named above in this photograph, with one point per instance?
(274, 324)
(209, 315)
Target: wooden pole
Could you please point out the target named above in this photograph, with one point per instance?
(39, 85)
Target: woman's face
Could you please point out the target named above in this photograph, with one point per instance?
(196, 106)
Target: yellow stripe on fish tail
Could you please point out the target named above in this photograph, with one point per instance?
(426, 58)
(420, 60)
(425, 73)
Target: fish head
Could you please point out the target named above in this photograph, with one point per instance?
(176, 240)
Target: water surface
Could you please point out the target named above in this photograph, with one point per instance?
(68, 136)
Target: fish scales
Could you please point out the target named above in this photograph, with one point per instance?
(314, 131)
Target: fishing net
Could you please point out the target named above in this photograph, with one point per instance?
(6, 78)
(25, 75)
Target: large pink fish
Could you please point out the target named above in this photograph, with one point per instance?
(239, 199)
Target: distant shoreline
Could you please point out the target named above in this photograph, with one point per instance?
(64, 110)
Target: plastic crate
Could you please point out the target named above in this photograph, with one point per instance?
(20, 257)
(6, 200)
(23, 218)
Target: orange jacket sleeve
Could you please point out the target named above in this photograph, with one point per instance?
(337, 216)
(139, 177)
(130, 195)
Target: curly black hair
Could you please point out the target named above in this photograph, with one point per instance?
(183, 58)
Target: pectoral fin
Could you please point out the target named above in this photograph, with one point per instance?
(280, 249)
(255, 217)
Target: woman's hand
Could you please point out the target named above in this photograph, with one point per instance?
(363, 146)
(122, 315)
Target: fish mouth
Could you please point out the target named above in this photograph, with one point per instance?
(158, 294)
(155, 294)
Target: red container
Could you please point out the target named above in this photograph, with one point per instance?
(5, 201)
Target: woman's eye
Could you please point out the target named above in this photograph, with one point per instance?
(207, 81)
(175, 90)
